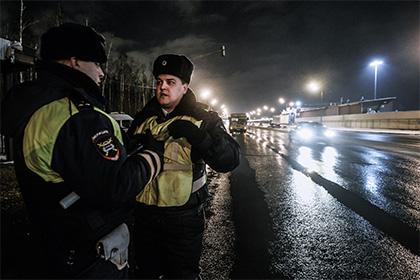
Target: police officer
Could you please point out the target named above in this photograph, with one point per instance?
(169, 213)
(76, 178)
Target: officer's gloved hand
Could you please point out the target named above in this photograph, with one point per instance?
(146, 141)
(195, 136)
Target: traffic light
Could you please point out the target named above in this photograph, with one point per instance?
(223, 49)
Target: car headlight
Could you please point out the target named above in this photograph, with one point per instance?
(305, 134)
(329, 133)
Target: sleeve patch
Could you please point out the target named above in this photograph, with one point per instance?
(104, 143)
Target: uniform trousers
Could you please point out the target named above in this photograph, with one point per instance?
(168, 243)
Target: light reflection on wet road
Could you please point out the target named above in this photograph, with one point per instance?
(317, 235)
(388, 180)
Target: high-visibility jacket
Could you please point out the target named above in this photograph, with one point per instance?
(63, 143)
(174, 185)
(41, 134)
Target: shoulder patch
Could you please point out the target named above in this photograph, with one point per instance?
(104, 143)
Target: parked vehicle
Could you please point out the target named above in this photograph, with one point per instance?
(280, 120)
(311, 133)
(124, 120)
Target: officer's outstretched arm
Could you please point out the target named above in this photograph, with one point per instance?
(224, 152)
(93, 161)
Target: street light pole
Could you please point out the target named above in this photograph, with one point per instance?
(376, 81)
(222, 51)
(376, 64)
(316, 87)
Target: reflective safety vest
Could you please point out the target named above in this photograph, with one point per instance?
(42, 131)
(174, 185)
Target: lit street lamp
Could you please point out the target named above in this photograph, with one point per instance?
(221, 51)
(314, 86)
(205, 94)
(376, 64)
(281, 100)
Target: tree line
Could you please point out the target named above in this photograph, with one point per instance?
(127, 86)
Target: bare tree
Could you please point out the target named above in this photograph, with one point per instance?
(127, 87)
(59, 15)
(24, 23)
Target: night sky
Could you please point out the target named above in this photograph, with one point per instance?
(273, 48)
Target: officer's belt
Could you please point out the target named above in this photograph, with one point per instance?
(199, 183)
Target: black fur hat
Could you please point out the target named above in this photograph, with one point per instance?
(173, 64)
(71, 39)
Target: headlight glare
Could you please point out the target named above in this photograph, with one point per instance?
(305, 134)
(329, 133)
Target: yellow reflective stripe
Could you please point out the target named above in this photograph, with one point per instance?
(40, 136)
(140, 128)
(42, 131)
(174, 184)
(176, 166)
(115, 125)
(175, 152)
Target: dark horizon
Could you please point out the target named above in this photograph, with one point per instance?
(273, 49)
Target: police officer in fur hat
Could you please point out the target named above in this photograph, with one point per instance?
(78, 182)
(169, 214)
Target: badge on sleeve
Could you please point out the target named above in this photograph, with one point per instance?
(104, 143)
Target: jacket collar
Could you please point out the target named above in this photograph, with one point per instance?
(63, 77)
(185, 106)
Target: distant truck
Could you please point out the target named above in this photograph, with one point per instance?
(238, 122)
(280, 120)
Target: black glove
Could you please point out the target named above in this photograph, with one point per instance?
(150, 151)
(146, 141)
(183, 128)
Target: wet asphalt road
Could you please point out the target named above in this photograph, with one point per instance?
(342, 211)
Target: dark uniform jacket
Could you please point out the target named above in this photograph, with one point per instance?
(86, 157)
(223, 154)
